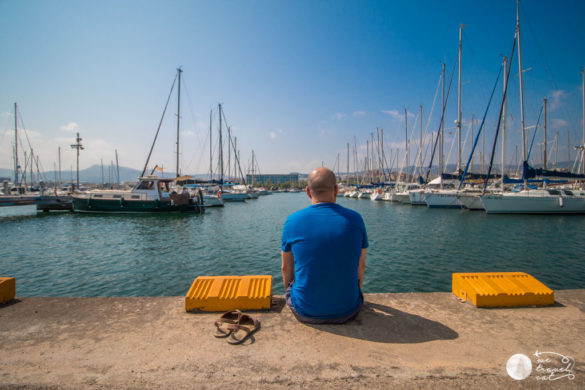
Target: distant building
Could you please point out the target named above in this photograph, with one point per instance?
(262, 180)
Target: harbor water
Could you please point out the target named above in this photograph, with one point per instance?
(412, 249)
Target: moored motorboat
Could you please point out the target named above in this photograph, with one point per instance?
(150, 195)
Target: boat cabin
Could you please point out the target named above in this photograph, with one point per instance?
(153, 186)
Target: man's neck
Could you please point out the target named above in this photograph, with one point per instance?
(313, 201)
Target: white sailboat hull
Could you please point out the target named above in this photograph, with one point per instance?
(377, 196)
(402, 197)
(471, 201)
(444, 200)
(212, 201)
(417, 198)
(534, 202)
(364, 195)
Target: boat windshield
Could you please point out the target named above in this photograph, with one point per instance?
(146, 185)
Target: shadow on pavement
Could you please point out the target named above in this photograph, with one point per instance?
(384, 324)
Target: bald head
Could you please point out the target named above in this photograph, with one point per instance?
(322, 185)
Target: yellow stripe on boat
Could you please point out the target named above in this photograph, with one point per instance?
(7, 289)
(497, 289)
(223, 293)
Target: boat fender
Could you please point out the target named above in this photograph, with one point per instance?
(157, 203)
(122, 202)
(89, 202)
(219, 194)
(561, 201)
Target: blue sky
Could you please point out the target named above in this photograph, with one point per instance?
(298, 79)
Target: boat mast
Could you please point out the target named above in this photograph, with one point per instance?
(210, 147)
(459, 103)
(32, 168)
(229, 156)
(59, 150)
(545, 143)
(583, 146)
(179, 70)
(441, 153)
(556, 149)
(407, 145)
(220, 151)
(253, 170)
(504, 109)
(420, 151)
(521, 80)
(15, 146)
(347, 175)
(117, 168)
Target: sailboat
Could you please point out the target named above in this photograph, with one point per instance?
(449, 198)
(151, 194)
(535, 201)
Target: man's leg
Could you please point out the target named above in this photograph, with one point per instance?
(309, 320)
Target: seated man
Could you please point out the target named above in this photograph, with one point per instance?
(324, 255)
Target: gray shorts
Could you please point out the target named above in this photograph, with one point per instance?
(310, 320)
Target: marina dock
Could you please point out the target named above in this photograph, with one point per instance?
(43, 202)
(407, 340)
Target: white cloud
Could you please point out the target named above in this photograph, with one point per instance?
(340, 116)
(32, 135)
(275, 134)
(558, 123)
(557, 100)
(65, 140)
(396, 115)
(69, 127)
(358, 113)
(188, 133)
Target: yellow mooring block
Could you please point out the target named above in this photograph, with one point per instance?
(223, 293)
(497, 289)
(7, 289)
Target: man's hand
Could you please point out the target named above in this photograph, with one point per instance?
(362, 267)
(288, 268)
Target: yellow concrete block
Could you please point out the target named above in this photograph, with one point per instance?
(497, 289)
(7, 289)
(223, 293)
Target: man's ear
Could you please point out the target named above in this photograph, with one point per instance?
(308, 192)
(336, 190)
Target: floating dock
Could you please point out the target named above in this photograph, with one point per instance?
(43, 202)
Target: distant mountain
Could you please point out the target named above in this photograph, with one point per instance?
(92, 174)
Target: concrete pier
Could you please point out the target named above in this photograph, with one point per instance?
(412, 341)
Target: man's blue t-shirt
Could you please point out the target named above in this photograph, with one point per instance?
(326, 240)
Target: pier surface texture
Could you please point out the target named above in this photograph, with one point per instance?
(411, 341)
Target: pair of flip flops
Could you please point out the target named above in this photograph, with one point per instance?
(236, 325)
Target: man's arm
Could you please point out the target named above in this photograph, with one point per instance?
(362, 267)
(288, 268)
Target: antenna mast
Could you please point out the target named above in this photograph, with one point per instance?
(77, 145)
